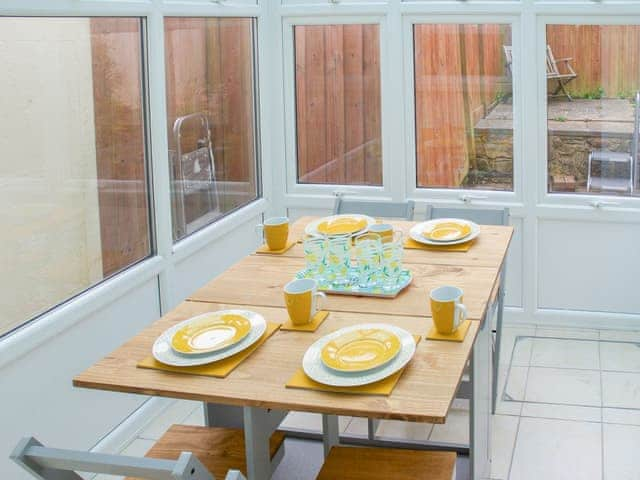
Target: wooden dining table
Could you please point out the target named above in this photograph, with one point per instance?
(254, 395)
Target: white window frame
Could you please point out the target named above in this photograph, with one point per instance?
(301, 189)
(161, 261)
(560, 199)
(460, 194)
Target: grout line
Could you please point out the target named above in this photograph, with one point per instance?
(513, 450)
(601, 411)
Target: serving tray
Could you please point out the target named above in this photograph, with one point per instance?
(353, 289)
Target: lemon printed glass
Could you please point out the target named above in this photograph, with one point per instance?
(368, 253)
(338, 259)
(315, 252)
(391, 261)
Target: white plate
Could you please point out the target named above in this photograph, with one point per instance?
(416, 232)
(163, 352)
(316, 370)
(312, 228)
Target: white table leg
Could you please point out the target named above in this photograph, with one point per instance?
(480, 404)
(330, 432)
(257, 431)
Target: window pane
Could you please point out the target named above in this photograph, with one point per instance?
(73, 185)
(211, 118)
(593, 74)
(464, 112)
(338, 104)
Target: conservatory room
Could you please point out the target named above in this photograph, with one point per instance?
(320, 239)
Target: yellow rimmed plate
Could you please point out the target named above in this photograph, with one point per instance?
(210, 332)
(360, 350)
(447, 231)
(343, 224)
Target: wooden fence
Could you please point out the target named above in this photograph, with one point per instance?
(338, 104)
(605, 57)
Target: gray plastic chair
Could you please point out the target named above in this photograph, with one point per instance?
(56, 464)
(482, 216)
(401, 210)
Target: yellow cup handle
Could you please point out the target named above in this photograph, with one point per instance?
(320, 298)
(460, 315)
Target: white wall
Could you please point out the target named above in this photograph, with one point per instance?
(50, 233)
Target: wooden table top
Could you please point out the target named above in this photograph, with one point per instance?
(259, 280)
(489, 249)
(424, 392)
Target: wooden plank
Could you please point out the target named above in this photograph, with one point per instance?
(374, 463)
(300, 46)
(120, 146)
(219, 449)
(423, 394)
(371, 104)
(336, 130)
(354, 103)
(259, 280)
(489, 249)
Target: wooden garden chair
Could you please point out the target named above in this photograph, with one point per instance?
(561, 75)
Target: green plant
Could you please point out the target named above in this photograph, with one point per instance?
(560, 118)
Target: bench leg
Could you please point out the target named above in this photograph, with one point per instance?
(330, 432)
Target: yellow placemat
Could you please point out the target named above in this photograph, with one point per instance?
(411, 244)
(312, 326)
(264, 249)
(457, 336)
(219, 369)
(382, 387)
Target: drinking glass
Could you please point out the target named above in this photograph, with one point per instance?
(315, 253)
(368, 250)
(391, 260)
(338, 259)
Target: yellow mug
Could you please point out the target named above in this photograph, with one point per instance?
(301, 297)
(384, 230)
(275, 232)
(447, 309)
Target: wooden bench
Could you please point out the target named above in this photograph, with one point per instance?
(219, 449)
(371, 463)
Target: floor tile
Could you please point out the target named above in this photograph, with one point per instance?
(568, 333)
(557, 450)
(455, 430)
(560, 353)
(620, 335)
(175, 413)
(621, 357)
(404, 430)
(503, 437)
(511, 394)
(621, 390)
(310, 421)
(562, 412)
(620, 415)
(515, 348)
(620, 460)
(565, 386)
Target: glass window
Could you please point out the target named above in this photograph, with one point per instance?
(75, 202)
(211, 118)
(338, 104)
(593, 112)
(463, 109)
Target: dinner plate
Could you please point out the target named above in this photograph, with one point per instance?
(416, 232)
(210, 332)
(446, 231)
(316, 370)
(345, 224)
(163, 352)
(360, 350)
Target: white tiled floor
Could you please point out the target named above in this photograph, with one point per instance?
(569, 408)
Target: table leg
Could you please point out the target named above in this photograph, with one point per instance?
(480, 404)
(330, 432)
(257, 432)
(496, 353)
